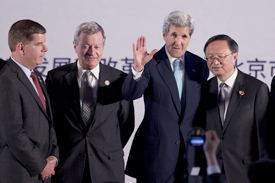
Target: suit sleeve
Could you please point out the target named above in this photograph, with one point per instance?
(12, 130)
(54, 148)
(132, 89)
(216, 178)
(126, 121)
(271, 120)
(262, 120)
(49, 86)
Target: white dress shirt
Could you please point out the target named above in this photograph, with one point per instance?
(228, 88)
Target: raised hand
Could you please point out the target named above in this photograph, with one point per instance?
(141, 56)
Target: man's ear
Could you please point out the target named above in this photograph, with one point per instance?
(163, 35)
(235, 55)
(74, 45)
(20, 47)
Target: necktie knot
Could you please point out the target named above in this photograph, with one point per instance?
(33, 76)
(176, 64)
(222, 85)
(86, 75)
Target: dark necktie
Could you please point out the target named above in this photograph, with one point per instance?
(221, 101)
(178, 76)
(87, 99)
(38, 88)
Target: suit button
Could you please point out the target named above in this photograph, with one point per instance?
(82, 155)
(222, 138)
(177, 142)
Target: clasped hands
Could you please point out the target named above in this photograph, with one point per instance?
(49, 168)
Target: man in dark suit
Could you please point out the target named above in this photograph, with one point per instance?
(91, 148)
(157, 152)
(2, 63)
(235, 105)
(28, 148)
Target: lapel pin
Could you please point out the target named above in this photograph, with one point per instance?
(193, 70)
(107, 82)
(241, 93)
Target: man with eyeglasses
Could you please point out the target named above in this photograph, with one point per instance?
(235, 105)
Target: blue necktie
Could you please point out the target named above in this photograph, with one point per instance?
(178, 76)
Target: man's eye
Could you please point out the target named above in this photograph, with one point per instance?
(174, 35)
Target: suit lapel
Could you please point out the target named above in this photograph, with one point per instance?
(26, 82)
(73, 89)
(191, 85)
(103, 76)
(166, 73)
(47, 99)
(235, 98)
(213, 104)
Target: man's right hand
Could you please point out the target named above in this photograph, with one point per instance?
(141, 57)
(49, 169)
(210, 147)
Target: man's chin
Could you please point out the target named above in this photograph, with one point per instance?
(177, 54)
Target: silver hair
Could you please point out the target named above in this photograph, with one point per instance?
(90, 28)
(178, 19)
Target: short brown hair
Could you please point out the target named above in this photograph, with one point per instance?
(22, 31)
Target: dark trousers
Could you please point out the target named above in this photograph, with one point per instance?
(86, 176)
(180, 173)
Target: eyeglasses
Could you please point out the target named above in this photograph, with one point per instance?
(218, 58)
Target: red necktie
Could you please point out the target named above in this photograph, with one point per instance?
(38, 87)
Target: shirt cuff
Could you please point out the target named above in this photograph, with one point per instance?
(56, 160)
(136, 75)
(213, 169)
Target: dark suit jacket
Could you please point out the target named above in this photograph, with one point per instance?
(262, 171)
(244, 134)
(216, 178)
(27, 137)
(272, 118)
(102, 143)
(2, 63)
(155, 149)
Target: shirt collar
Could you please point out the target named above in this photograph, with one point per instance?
(172, 59)
(95, 70)
(231, 80)
(25, 69)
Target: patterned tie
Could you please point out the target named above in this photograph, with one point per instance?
(87, 99)
(178, 76)
(38, 88)
(221, 101)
